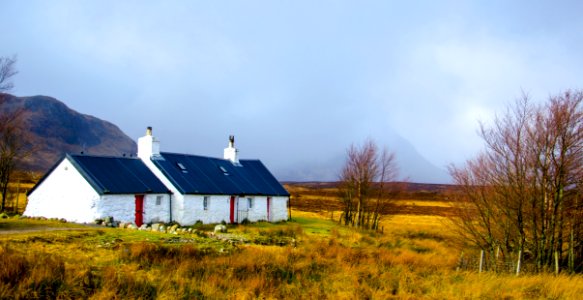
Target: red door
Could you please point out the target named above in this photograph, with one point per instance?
(139, 210)
(232, 216)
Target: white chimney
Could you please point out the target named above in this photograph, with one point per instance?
(148, 145)
(230, 152)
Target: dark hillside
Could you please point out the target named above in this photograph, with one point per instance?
(56, 129)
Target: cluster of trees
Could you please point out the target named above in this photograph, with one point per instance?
(523, 194)
(13, 137)
(362, 190)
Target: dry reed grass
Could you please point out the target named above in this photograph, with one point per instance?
(413, 259)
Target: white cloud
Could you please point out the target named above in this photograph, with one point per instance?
(301, 70)
(448, 80)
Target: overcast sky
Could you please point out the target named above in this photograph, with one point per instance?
(296, 81)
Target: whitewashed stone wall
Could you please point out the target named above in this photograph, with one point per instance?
(259, 210)
(178, 208)
(218, 209)
(192, 209)
(189, 210)
(279, 209)
(64, 194)
(154, 213)
(120, 207)
(123, 207)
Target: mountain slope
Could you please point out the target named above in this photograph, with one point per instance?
(56, 129)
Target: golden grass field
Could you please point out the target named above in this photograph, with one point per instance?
(325, 199)
(16, 200)
(310, 257)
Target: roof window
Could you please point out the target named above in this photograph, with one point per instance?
(182, 167)
(224, 170)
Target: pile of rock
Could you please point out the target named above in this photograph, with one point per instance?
(221, 228)
(158, 227)
(107, 222)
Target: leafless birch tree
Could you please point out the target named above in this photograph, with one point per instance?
(523, 193)
(362, 188)
(13, 138)
(7, 71)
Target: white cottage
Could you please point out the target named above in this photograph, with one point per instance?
(160, 187)
(82, 188)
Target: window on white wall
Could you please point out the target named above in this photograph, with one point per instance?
(250, 202)
(205, 202)
(158, 200)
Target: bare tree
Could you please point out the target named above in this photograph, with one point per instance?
(362, 188)
(13, 137)
(7, 71)
(523, 194)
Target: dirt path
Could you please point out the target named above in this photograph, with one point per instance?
(11, 226)
(4, 231)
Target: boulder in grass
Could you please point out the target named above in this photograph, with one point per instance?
(221, 228)
(156, 227)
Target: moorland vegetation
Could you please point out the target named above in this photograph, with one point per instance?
(415, 257)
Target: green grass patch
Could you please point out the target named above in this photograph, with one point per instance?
(315, 226)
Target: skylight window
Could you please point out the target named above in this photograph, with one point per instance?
(224, 170)
(182, 167)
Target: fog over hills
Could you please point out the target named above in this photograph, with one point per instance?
(412, 166)
(56, 129)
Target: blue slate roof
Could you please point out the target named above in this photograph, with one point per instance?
(113, 175)
(117, 175)
(192, 174)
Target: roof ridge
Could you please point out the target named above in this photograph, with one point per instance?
(205, 156)
(101, 156)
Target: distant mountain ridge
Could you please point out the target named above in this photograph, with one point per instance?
(412, 166)
(57, 129)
